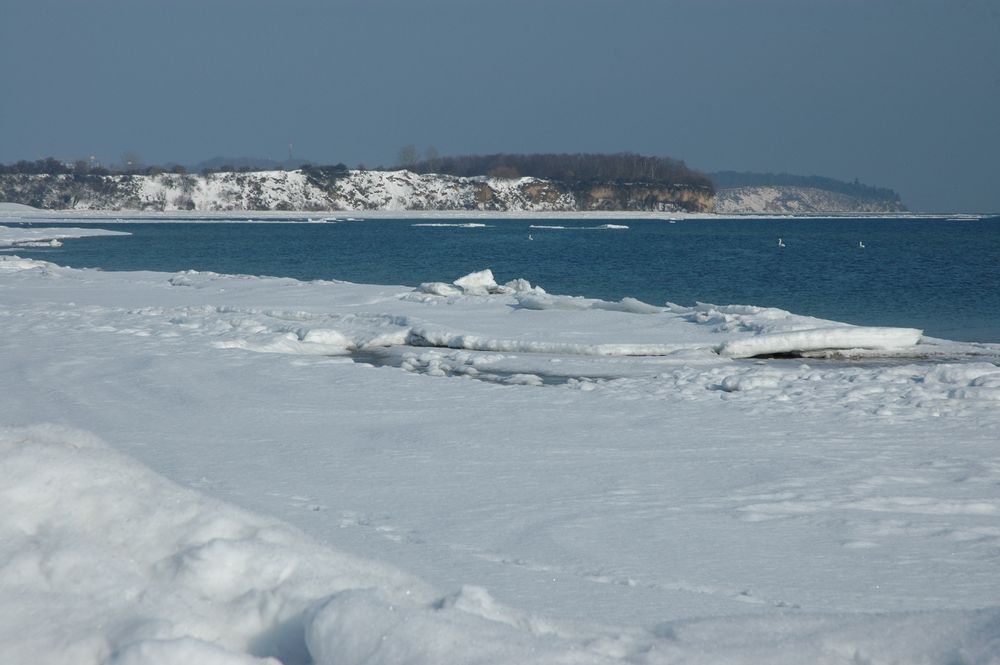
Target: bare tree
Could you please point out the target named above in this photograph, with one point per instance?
(130, 161)
(408, 155)
(431, 157)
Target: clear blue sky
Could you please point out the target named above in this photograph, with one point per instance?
(897, 93)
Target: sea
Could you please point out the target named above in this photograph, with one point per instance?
(940, 275)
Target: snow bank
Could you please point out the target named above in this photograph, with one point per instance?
(840, 337)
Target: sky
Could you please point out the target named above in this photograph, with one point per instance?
(897, 93)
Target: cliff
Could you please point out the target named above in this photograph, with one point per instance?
(790, 200)
(327, 190)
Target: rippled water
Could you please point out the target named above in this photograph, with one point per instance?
(939, 275)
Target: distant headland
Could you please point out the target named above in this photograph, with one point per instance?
(499, 182)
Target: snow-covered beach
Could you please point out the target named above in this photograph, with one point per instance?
(219, 468)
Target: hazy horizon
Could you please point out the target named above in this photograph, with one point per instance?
(898, 94)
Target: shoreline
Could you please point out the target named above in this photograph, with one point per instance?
(333, 216)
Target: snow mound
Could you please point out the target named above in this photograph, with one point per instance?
(104, 561)
(837, 337)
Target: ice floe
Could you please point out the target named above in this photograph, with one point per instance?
(457, 225)
(819, 339)
(47, 237)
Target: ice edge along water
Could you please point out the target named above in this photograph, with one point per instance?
(103, 561)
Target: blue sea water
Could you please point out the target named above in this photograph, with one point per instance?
(939, 275)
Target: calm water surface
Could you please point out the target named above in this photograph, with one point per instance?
(939, 275)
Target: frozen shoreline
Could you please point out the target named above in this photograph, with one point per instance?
(682, 507)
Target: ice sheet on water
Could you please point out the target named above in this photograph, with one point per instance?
(456, 225)
(47, 237)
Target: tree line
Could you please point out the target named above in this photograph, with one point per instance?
(570, 168)
(733, 179)
(580, 168)
(82, 167)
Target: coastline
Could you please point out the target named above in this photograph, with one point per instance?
(314, 216)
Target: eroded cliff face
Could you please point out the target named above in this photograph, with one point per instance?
(787, 200)
(641, 196)
(350, 190)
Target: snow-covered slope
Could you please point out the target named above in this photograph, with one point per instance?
(796, 200)
(349, 190)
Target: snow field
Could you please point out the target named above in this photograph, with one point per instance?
(104, 562)
(686, 507)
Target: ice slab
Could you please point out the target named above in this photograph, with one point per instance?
(817, 339)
